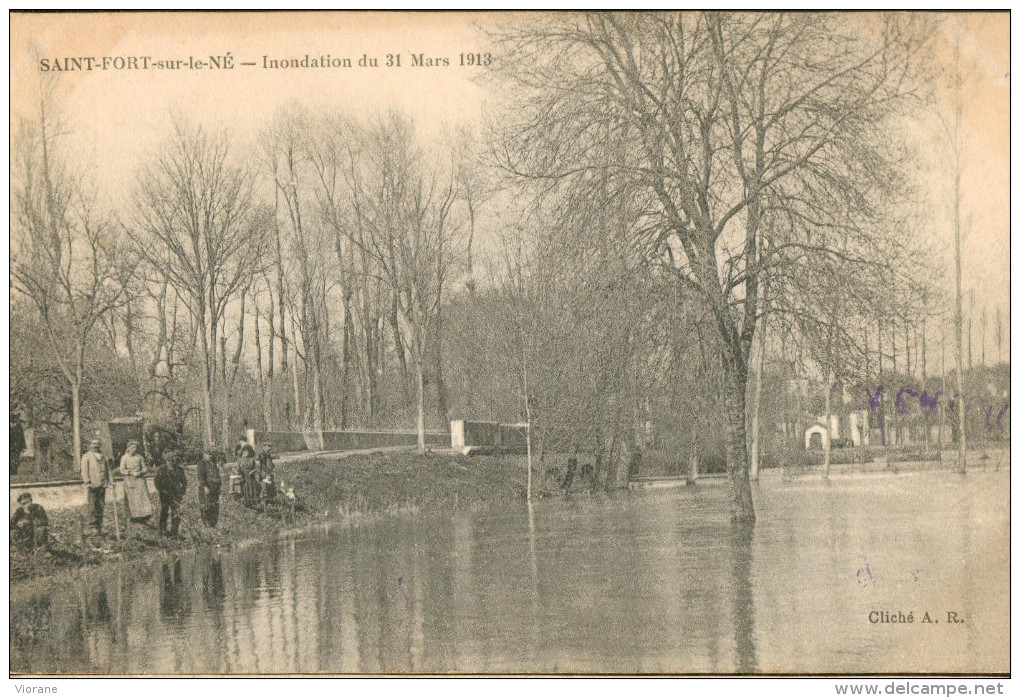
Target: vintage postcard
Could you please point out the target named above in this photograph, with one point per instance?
(670, 343)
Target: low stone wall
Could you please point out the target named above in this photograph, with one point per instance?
(513, 438)
(283, 441)
(356, 440)
(489, 437)
(287, 441)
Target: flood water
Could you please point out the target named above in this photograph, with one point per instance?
(655, 581)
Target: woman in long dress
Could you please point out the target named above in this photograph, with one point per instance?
(132, 467)
(247, 469)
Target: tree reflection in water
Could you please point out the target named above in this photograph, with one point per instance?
(742, 581)
(646, 583)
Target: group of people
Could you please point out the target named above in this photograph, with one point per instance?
(257, 475)
(171, 484)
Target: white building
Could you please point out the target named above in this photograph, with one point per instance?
(817, 436)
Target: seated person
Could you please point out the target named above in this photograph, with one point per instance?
(30, 526)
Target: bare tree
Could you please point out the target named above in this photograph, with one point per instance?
(984, 331)
(756, 145)
(66, 255)
(998, 334)
(197, 222)
(956, 148)
(404, 223)
(288, 154)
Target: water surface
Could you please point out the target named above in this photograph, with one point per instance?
(635, 582)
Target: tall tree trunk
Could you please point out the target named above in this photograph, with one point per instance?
(294, 374)
(421, 402)
(611, 464)
(926, 425)
(76, 419)
(441, 397)
(970, 353)
(470, 283)
(283, 325)
(942, 402)
(983, 326)
(368, 327)
(830, 379)
(998, 335)
(398, 345)
(314, 349)
(129, 330)
(527, 412)
(906, 345)
(270, 361)
(742, 503)
(756, 410)
(306, 416)
(162, 339)
(961, 404)
(225, 429)
(881, 365)
(224, 394)
(207, 380)
(259, 367)
(280, 291)
(345, 358)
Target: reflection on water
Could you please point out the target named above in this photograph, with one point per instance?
(638, 582)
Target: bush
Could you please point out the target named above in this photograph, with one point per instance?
(778, 453)
(842, 456)
(906, 454)
(188, 446)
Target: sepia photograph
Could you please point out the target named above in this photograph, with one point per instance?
(510, 344)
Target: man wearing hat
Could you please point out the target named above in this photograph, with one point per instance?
(29, 526)
(95, 479)
(171, 484)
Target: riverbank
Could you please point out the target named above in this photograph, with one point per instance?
(346, 488)
(328, 487)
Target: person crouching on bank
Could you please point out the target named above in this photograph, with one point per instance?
(30, 527)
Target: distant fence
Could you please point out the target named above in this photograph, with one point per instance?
(488, 436)
(288, 441)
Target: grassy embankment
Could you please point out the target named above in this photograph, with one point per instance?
(350, 489)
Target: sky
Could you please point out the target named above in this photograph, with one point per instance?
(117, 117)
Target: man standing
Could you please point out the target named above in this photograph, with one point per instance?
(171, 484)
(17, 443)
(94, 478)
(29, 526)
(156, 446)
(209, 484)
